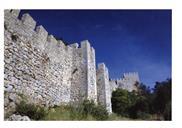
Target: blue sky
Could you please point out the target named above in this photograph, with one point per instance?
(125, 40)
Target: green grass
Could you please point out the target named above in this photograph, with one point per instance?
(68, 113)
(86, 111)
(33, 111)
(115, 117)
(58, 113)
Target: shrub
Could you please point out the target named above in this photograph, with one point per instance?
(77, 113)
(141, 107)
(167, 111)
(62, 112)
(143, 115)
(121, 101)
(88, 106)
(88, 109)
(99, 113)
(35, 112)
(162, 93)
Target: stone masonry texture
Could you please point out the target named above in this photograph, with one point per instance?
(49, 72)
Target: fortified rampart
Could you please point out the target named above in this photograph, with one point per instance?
(48, 71)
(129, 81)
(45, 68)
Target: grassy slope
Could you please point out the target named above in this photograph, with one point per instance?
(65, 113)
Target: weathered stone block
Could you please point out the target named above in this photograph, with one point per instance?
(28, 21)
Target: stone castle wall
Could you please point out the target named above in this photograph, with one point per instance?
(129, 81)
(45, 69)
(49, 72)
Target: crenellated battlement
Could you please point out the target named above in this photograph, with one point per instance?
(75, 45)
(26, 24)
(131, 75)
(13, 13)
(28, 21)
(66, 67)
(127, 81)
(52, 39)
(101, 66)
(50, 72)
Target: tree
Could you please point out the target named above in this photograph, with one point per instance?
(133, 104)
(144, 102)
(167, 111)
(120, 101)
(162, 93)
(144, 90)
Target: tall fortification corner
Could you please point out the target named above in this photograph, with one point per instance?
(89, 60)
(103, 87)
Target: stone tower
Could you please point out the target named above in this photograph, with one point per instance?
(129, 82)
(103, 87)
(89, 60)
